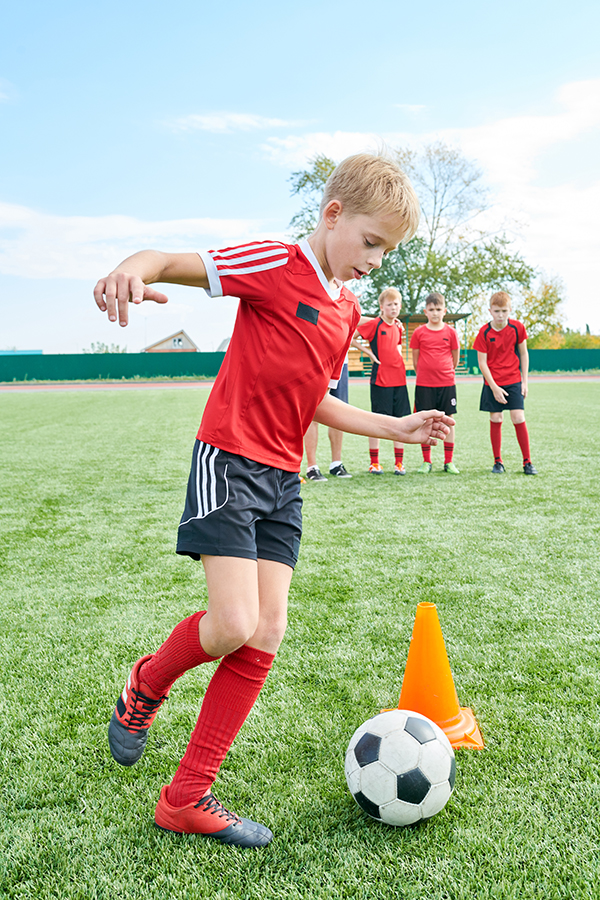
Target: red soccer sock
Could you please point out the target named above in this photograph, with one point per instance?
(448, 452)
(374, 454)
(399, 456)
(496, 439)
(523, 439)
(181, 651)
(229, 698)
(426, 449)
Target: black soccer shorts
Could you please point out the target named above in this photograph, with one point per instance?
(515, 399)
(341, 391)
(238, 507)
(442, 398)
(390, 401)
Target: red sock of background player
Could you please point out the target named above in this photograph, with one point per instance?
(426, 450)
(496, 439)
(374, 454)
(398, 456)
(448, 452)
(229, 698)
(181, 651)
(523, 439)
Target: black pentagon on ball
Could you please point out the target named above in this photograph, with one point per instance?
(452, 775)
(413, 786)
(420, 730)
(369, 807)
(367, 749)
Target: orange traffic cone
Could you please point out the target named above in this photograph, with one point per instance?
(428, 687)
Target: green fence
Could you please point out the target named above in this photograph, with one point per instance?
(82, 366)
(553, 360)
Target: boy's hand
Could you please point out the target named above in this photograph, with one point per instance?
(524, 388)
(500, 394)
(426, 427)
(117, 290)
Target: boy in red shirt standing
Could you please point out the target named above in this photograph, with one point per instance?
(242, 514)
(389, 396)
(435, 356)
(504, 362)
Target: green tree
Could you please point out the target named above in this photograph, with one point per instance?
(450, 253)
(309, 183)
(105, 348)
(539, 312)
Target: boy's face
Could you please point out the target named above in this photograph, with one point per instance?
(390, 308)
(435, 314)
(356, 244)
(500, 316)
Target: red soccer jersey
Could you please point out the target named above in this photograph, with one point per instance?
(435, 366)
(502, 348)
(288, 347)
(386, 344)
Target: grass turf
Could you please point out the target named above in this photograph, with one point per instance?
(91, 490)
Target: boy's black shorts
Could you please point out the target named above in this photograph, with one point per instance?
(442, 398)
(238, 507)
(390, 401)
(341, 391)
(515, 399)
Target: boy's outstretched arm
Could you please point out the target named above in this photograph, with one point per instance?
(128, 283)
(427, 427)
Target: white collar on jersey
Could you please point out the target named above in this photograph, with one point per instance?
(334, 293)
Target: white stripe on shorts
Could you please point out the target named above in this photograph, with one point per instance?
(206, 487)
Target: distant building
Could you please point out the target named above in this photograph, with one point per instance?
(222, 348)
(15, 352)
(175, 343)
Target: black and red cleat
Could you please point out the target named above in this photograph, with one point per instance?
(210, 818)
(134, 714)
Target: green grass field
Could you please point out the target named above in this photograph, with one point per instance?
(91, 489)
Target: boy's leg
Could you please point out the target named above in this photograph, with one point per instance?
(243, 669)
(496, 441)
(517, 417)
(311, 440)
(399, 459)
(449, 452)
(148, 686)
(374, 466)
(336, 438)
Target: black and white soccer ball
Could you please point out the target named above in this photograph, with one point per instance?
(400, 767)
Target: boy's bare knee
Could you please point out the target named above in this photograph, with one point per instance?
(269, 633)
(220, 635)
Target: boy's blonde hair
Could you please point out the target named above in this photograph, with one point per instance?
(366, 184)
(501, 300)
(435, 299)
(389, 294)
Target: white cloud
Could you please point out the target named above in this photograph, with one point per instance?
(227, 122)
(557, 217)
(39, 245)
(294, 150)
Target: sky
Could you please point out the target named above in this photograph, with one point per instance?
(177, 126)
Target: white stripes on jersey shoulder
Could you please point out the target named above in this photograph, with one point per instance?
(206, 481)
(236, 261)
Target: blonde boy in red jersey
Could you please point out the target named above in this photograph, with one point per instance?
(435, 357)
(504, 362)
(242, 515)
(389, 395)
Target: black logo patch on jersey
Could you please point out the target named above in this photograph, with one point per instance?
(308, 313)
(383, 332)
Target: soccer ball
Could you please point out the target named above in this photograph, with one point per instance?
(400, 767)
